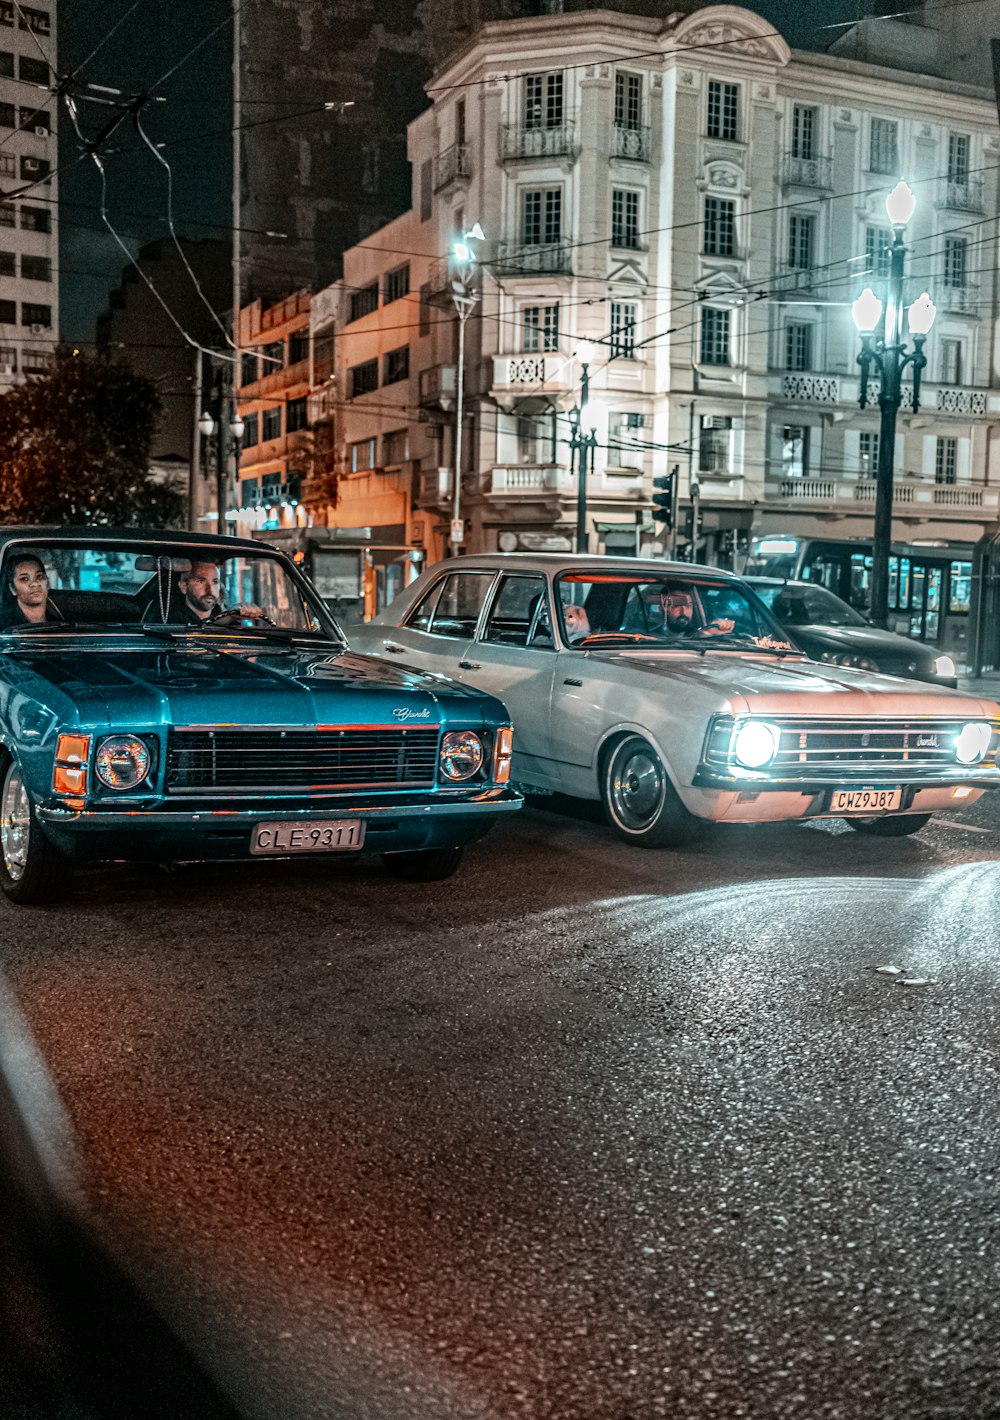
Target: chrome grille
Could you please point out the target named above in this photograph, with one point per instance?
(819, 745)
(299, 761)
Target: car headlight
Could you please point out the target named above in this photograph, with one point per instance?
(944, 666)
(756, 743)
(122, 761)
(461, 754)
(972, 743)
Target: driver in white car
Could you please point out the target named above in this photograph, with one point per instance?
(679, 616)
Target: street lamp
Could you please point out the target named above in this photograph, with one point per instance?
(217, 425)
(584, 440)
(889, 355)
(465, 299)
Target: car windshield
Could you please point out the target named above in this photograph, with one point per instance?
(48, 584)
(808, 606)
(673, 610)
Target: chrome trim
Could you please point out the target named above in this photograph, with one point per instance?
(931, 776)
(502, 801)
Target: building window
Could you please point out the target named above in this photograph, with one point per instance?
(8, 116)
(803, 131)
(625, 440)
(36, 268)
(622, 335)
(868, 454)
(363, 378)
(8, 166)
(798, 346)
(424, 310)
(720, 227)
(36, 219)
(883, 147)
(801, 231)
(35, 119)
(945, 460)
(713, 443)
(714, 336)
(274, 356)
(532, 438)
(794, 451)
(298, 415)
(397, 284)
(951, 361)
(543, 100)
(955, 249)
(541, 222)
(395, 447)
(877, 257)
(272, 423)
(8, 263)
(6, 58)
(33, 71)
(460, 121)
(628, 101)
(723, 111)
(298, 346)
(8, 214)
(624, 219)
(362, 455)
(365, 301)
(426, 189)
(32, 314)
(396, 365)
(249, 366)
(251, 431)
(958, 158)
(540, 328)
(35, 169)
(8, 360)
(37, 21)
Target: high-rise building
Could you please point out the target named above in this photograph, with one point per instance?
(29, 300)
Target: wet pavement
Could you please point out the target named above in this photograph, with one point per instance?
(586, 1133)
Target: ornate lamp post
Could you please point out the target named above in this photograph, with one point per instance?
(215, 423)
(465, 299)
(889, 356)
(583, 442)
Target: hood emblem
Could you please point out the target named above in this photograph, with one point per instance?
(403, 712)
(865, 741)
(927, 742)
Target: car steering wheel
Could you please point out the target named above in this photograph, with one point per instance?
(233, 616)
(595, 638)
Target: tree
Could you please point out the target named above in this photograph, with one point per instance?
(75, 446)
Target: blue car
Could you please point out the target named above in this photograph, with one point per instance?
(176, 697)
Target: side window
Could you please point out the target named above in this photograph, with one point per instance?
(419, 618)
(519, 615)
(457, 610)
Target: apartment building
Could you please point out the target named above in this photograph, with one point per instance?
(701, 204)
(29, 301)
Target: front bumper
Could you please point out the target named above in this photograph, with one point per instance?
(190, 831)
(857, 776)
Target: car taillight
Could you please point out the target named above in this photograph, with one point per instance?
(69, 774)
(502, 750)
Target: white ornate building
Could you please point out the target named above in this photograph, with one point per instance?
(702, 204)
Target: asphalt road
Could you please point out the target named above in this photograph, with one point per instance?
(587, 1133)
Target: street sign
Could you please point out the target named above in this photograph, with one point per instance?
(457, 531)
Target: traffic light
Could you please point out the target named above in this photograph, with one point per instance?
(663, 502)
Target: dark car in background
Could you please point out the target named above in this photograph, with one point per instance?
(829, 630)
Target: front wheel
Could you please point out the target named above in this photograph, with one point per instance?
(32, 871)
(642, 805)
(901, 826)
(424, 865)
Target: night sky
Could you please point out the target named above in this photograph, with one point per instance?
(194, 122)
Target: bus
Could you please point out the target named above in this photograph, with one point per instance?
(930, 588)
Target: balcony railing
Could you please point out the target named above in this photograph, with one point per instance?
(797, 278)
(452, 165)
(960, 300)
(964, 195)
(519, 141)
(806, 172)
(530, 479)
(959, 401)
(633, 143)
(437, 386)
(813, 389)
(533, 258)
(914, 493)
(532, 373)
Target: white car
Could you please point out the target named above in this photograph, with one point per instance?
(670, 692)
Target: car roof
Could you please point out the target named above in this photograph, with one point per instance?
(574, 561)
(46, 532)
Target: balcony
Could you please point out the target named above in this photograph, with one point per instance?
(532, 259)
(796, 278)
(965, 195)
(530, 480)
(811, 389)
(915, 496)
(633, 144)
(453, 165)
(960, 300)
(437, 387)
(806, 172)
(520, 377)
(518, 141)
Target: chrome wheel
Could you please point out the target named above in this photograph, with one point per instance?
(636, 786)
(15, 824)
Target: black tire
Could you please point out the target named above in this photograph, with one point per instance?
(641, 803)
(899, 826)
(32, 871)
(424, 865)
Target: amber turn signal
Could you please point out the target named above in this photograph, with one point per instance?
(501, 755)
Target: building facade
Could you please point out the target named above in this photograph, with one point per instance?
(29, 300)
(702, 205)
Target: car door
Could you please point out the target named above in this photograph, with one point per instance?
(438, 630)
(513, 657)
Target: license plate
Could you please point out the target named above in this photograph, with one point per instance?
(865, 801)
(334, 835)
